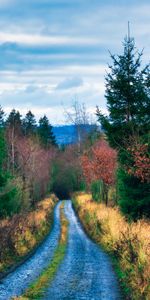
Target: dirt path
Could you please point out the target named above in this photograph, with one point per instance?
(86, 272)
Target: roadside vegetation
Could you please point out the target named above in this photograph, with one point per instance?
(127, 243)
(21, 234)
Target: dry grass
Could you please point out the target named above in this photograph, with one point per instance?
(22, 233)
(128, 243)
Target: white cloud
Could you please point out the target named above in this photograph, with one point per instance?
(36, 39)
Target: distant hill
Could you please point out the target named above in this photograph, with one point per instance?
(67, 134)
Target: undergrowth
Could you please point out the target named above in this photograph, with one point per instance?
(20, 234)
(128, 244)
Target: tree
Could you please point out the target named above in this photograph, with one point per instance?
(14, 121)
(100, 164)
(128, 97)
(13, 129)
(45, 132)
(9, 192)
(34, 167)
(79, 117)
(2, 114)
(29, 124)
(140, 156)
(128, 102)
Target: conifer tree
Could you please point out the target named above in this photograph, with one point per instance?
(128, 97)
(1, 117)
(14, 121)
(29, 124)
(45, 132)
(128, 123)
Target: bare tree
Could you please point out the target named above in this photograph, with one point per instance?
(79, 117)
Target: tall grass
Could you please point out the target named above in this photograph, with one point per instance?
(129, 244)
(20, 234)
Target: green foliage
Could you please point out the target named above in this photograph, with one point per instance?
(29, 124)
(64, 182)
(128, 97)
(2, 148)
(9, 196)
(45, 132)
(1, 117)
(134, 196)
(128, 102)
(14, 121)
(97, 190)
(9, 192)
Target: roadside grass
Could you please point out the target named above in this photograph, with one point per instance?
(128, 244)
(22, 233)
(37, 289)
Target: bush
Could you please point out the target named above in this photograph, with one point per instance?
(10, 195)
(134, 199)
(97, 190)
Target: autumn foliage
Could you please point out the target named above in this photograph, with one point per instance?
(141, 162)
(100, 164)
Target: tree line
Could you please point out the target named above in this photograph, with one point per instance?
(26, 153)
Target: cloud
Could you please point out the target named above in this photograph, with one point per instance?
(69, 83)
(54, 50)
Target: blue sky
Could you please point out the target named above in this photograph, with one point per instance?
(53, 52)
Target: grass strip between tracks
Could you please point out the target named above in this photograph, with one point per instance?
(37, 289)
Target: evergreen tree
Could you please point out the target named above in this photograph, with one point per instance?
(14, 121)
(128, 97)
(29, 124)
(52, 138)
(45, 132)
(9, 194)
(1, 117)
(128, 102)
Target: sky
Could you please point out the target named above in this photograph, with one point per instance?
(55, 52)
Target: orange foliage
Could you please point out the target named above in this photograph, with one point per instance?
(141, 162)
(100, 163)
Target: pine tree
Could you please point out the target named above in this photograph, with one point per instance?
(29, 124)
(45, 132)
(128, 103)
(128, 97)
(1, 117)
(14, 121)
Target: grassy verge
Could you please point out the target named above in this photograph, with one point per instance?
(37, 289)
(20, 235)
(128, 244)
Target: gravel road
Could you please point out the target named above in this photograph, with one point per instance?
(86, 272)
